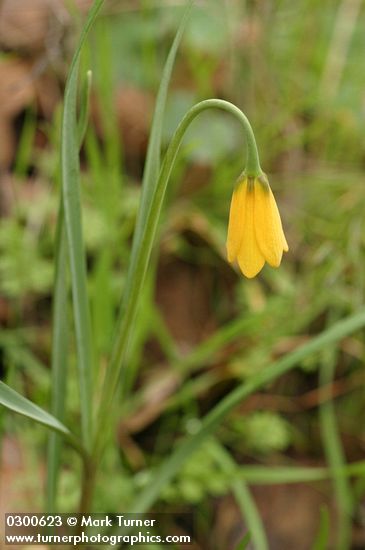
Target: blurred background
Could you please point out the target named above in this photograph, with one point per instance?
(297, 70)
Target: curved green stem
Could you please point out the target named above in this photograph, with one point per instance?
(141, 254)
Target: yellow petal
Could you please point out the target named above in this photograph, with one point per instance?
(268, 229)
(250, 258)
(235, 224)
(285, 244)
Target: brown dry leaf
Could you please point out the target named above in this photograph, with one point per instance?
(290, 514)
(184, 217)
(16, 92)
(249, 33)
(13, 496)
(197, 176)
(7, 191)
(16, 86)
(24, 23)
(7, 140)
(131, 450)
(155, 397)
(4, 311)
(184, 296)
(134, 111)
(14, 190)
(298, 528)
(48, 94)
(29, 24)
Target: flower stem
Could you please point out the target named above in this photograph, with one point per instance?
(87, 487)
(141, 255)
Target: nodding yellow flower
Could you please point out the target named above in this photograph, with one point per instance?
(255, 233)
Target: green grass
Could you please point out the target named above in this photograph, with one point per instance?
(215, 368)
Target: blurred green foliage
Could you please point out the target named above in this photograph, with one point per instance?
(262, 432)
(271, 58)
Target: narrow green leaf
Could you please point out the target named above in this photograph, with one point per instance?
(322, 539)
(243, 497)
(73, 220)
(59, 359)
(24, 147)
(12, 400)
(153, 157)
(84, 107)
(173, 464)
(19, 354)
(243, 544)
(150, 178)
(153, 163)
(334, 452)
(263, 475)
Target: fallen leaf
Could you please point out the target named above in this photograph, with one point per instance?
(30, 25)
(16, 86)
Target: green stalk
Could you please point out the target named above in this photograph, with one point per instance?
(141, 255)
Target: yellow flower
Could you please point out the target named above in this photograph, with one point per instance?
(255, 233)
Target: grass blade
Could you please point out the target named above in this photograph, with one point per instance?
(153, 157)
(322, 539)
(15, 402)
(71, 198)
(24, 148)
(262, 475)
(334, 452)
(243, 498)
(59, 359)
(243, 544)
(84, 107)
(210, 422)
(60, 323)
(150, 179)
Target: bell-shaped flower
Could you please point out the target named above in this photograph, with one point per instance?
(255, 233)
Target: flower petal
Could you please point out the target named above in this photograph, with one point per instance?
(235, 224)
(285, 244)
(250, 258)
(268, 229)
